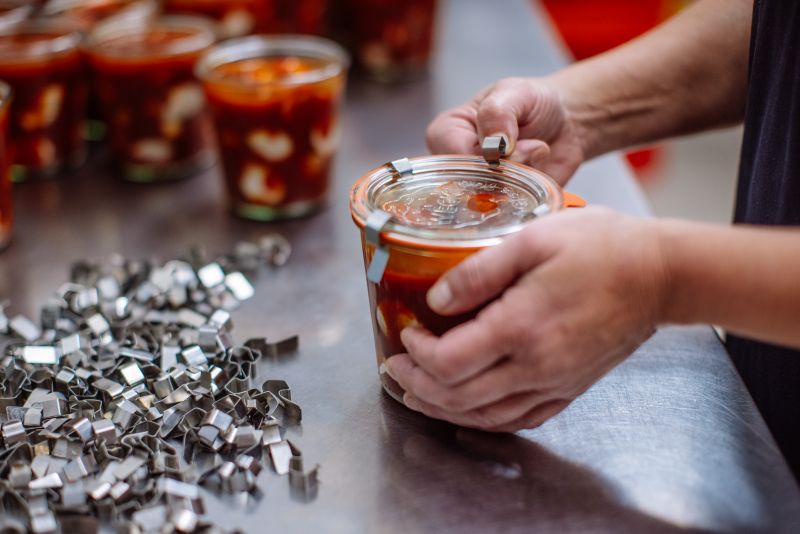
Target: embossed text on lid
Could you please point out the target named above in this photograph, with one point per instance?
(457, 203)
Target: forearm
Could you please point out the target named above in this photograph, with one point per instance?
(745, 279)
(687, 75)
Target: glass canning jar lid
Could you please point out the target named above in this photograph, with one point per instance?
(453, 201)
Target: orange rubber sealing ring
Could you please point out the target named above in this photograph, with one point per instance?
(573, 201)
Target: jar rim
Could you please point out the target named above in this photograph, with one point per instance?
(201, 33)
(263, 46)
(366, 190)
(125, 9)
(60, 38)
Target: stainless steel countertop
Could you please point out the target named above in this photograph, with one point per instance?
(669, 440)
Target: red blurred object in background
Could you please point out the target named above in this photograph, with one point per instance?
(589, 27)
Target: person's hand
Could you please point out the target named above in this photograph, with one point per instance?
(570, 296)
(529, 112)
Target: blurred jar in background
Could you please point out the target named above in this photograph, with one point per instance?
(43, 64)
(276, 103)
(83, 15)
(6, 200)
(234, 17)
(153, 106)
(294, 16)
(244, 17)
(392, 41)
(86, 13)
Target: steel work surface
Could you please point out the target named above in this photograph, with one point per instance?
(669, 440)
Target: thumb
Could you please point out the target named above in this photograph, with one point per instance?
(484, 275)
(499, 113)
(532, 152)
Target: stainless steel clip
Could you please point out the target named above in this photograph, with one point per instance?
(372, 231)
(402, 167)
(494, 147)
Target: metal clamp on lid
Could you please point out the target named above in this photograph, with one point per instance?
(494, 148)
(402, 167)
(372, 233)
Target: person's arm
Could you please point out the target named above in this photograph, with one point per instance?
(745, 279)
(687, 75)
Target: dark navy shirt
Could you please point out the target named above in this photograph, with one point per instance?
(769, 194)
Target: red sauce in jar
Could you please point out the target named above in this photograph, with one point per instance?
(47, 74)
(277, 134)
(392, 40)
(154, 108)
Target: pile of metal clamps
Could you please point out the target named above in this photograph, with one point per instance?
(130, 394)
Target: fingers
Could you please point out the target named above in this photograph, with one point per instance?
(526, 410)
(496, 110)
(499, 112)
(487, 388)
(484, 275)
(453, 132)
(535, 417)
(464, 351)
(531, 152)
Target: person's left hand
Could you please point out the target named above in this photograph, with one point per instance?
(574, 294)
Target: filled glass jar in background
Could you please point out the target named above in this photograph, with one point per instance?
(392, 41)
(152, 104)
(295, 16)
(420, 217)
(43, 64)
(276, 104)
(6, 200)
(237, 18)
(234, 18)
(83, 15)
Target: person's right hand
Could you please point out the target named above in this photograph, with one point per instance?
(529, 112)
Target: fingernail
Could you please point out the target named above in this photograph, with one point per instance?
(440, 296)
(540, 153)
(404, 333)
(411, 402)
(387, 367)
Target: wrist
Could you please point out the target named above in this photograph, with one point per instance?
(586, 120)
(670, 236)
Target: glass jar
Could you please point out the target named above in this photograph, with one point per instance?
(83, 15)
(392, 41)
(43, 64)
(152, 104)
(420, 217)
(276, 103)
(6, 200)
